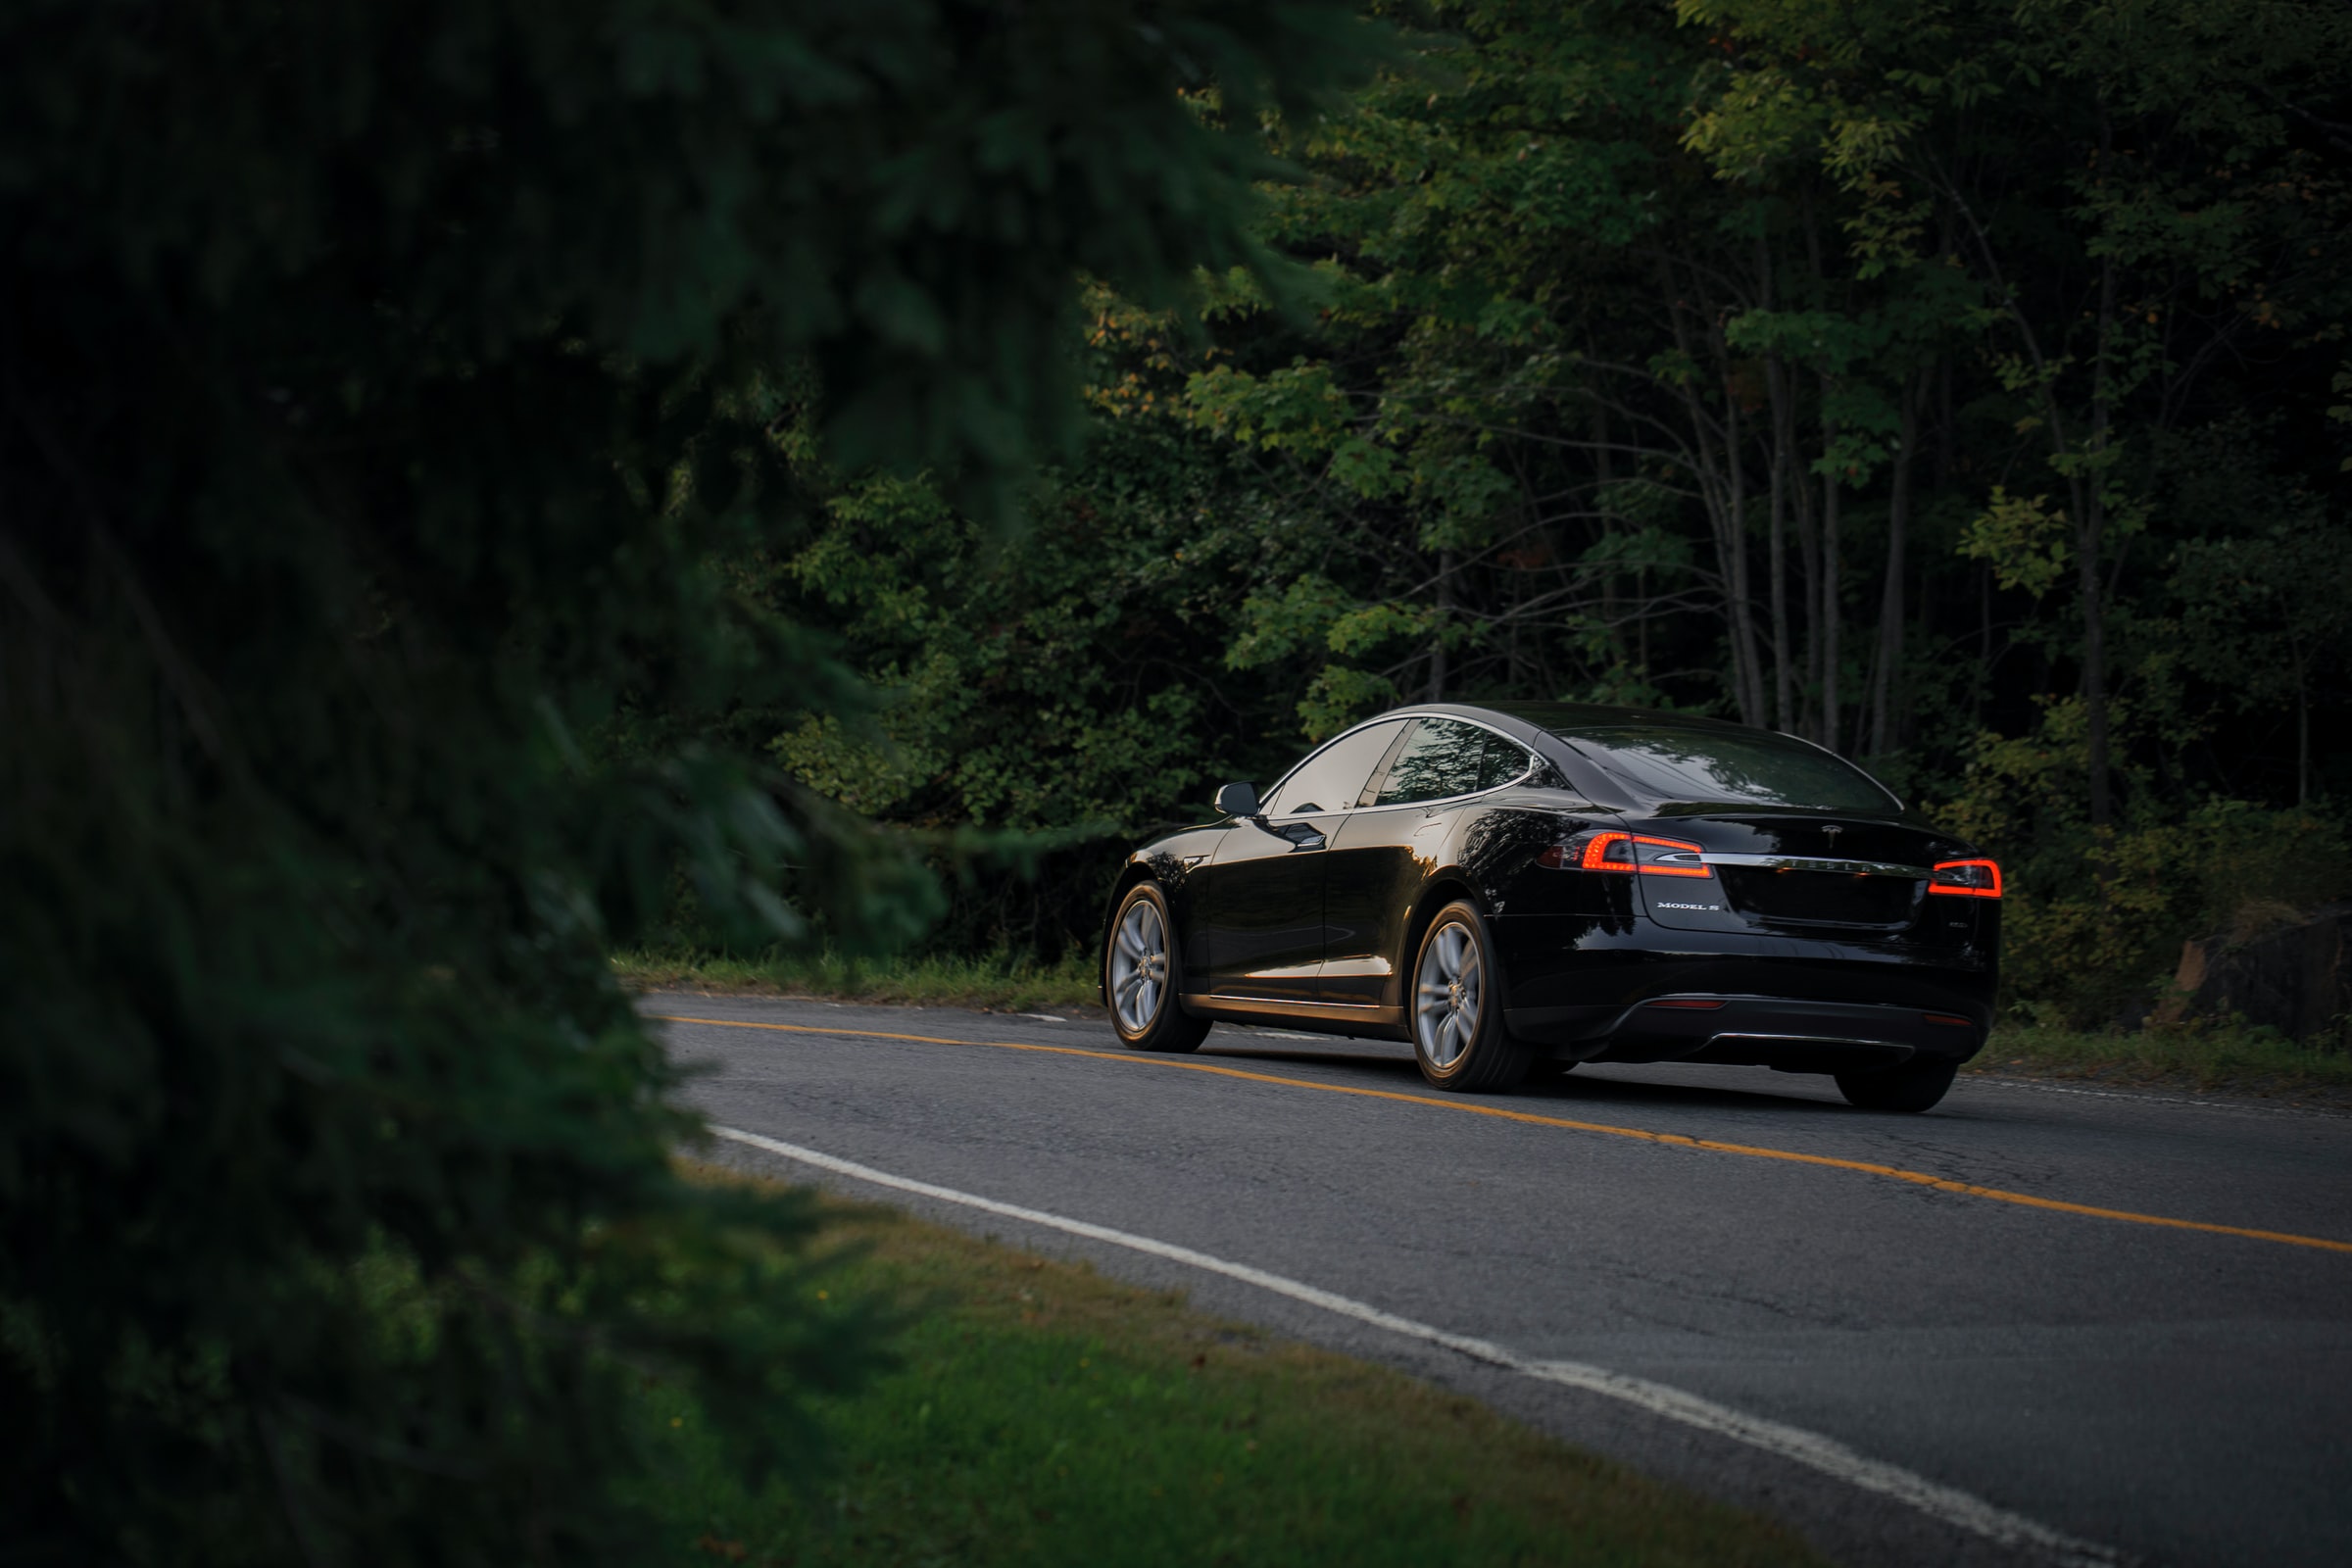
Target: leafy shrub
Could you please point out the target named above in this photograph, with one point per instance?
(2094, 919)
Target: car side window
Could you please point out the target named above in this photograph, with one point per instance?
(1332, 778)
(1502, 761)
(1444, 758)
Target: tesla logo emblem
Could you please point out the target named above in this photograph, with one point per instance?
(1833, 830)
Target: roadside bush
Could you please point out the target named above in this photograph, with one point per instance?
(2093, 919)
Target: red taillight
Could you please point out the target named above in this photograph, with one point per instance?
(1628, 851)
(1608, 852)
(1696, 1003)
(1967, 879)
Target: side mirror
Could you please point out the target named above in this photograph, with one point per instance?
(1238, 800)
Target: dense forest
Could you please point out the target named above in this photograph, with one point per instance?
(1961, 384)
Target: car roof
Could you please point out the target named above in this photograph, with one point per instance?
(1570, 719)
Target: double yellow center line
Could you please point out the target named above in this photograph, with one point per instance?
(1941, 1184)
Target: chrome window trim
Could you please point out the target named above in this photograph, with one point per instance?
(1535, 760)
(1333, 810)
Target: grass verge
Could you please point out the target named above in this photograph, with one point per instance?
(1043, 1414)
(1001, 981)
(2200, 1057)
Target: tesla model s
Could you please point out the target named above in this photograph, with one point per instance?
(1518, 888)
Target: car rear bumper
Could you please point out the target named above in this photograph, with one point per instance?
(1793, 1035)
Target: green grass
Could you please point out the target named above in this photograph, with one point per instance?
(1006, 984)
(2195, 1056)
(1043, 1414)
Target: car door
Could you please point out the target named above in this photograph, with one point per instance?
(1384, 851)
(1260, 907)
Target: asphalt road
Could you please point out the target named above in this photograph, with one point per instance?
(2173, 1394)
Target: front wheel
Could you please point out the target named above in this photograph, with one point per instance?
(1142, 976)
(1458, 1034)
(1912, 1086)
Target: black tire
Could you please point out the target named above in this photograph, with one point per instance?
(1453, 1005)
(1149, 1015)
(1912, 1087)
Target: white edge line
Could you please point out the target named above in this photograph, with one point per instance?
(1812, 1449)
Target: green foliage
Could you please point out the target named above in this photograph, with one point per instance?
(402, 409)
(2094, 918)
(2026, 544)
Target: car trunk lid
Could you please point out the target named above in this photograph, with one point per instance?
(1859, 877)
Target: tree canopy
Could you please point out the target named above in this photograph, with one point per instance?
(1958, 383)
(389, 395)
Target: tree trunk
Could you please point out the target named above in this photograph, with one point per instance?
(1831, 487)
(1783, 676)
(1717, 452)
(1746, 673)
(2094, 524)
(1890, 597)
(1776, 479)
(1821, 568)
(1642, 622)
(1437, 648)
(1808, 554)
(2302, 738)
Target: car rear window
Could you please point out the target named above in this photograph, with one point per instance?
(1332, 778)
(1753, 768)
(1440, 761)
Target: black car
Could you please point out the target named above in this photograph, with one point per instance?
(1522, 887)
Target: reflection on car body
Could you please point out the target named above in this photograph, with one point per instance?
(1519, 887)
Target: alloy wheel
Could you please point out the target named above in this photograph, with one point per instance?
(1139, 968)
(1449, 993)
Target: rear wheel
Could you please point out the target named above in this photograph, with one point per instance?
(1142, 976)
(1457, 1007)
(1914, 1086)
